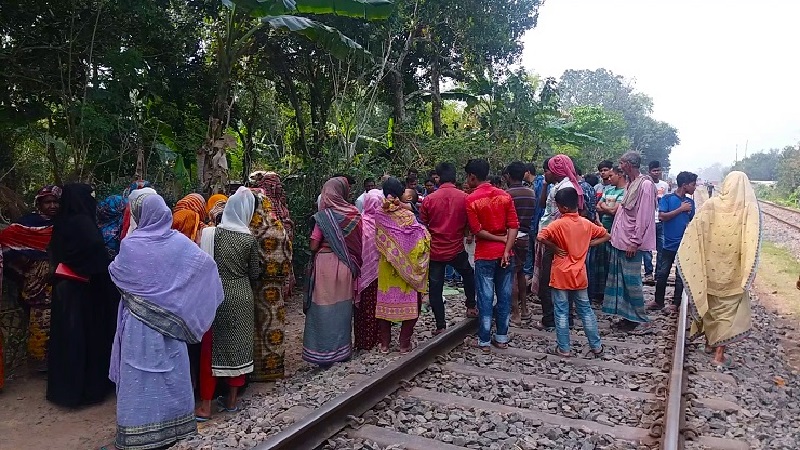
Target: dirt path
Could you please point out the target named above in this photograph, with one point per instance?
(28, 420)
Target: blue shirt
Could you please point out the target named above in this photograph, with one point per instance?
(674, 229)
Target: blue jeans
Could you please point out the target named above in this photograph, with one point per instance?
(491, 279)
(450, 274)
(647, 257)
(528, 268)
(561, 300)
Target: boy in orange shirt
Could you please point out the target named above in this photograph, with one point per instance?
(570, 237)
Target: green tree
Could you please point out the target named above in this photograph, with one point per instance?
(762, 166)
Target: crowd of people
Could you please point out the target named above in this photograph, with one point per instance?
(163, 303)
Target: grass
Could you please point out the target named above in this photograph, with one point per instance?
(777, 276)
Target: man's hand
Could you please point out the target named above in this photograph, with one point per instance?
(685, 207)
(506, 258)
(631, 251)
(560, 251)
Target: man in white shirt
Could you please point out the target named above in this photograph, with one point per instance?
(369, 184)
(662, 189)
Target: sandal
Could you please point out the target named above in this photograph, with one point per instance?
(201, 419)
(383, 350)
(555, 351)
(472, 313)
(223, 408)
(439, 331)
(599, 352)
(725, 364)
(539, 326)
(500, 345)
(405, 351)
(473, 342)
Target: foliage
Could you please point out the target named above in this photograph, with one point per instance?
(782, 166)
(762, 166)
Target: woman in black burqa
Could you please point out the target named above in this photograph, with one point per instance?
(85, 303)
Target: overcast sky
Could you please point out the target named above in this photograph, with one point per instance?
(721, 72)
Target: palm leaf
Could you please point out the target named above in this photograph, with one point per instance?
(328, 38)
(364, 9)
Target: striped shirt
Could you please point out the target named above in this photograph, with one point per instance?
(524, 203)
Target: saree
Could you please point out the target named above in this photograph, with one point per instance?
(25, 247)
(331, 287)
(271, 185)
(164, 306)
(404, 246)
(718, 259)
(275, 250)
(364, 323)
(110, 216)
(624, 296)
(127, 225)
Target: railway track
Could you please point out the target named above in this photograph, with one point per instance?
(781, 213)
(448, 396)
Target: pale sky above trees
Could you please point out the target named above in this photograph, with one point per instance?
(722, 72)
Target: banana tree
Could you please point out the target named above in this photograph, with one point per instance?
(233, 40)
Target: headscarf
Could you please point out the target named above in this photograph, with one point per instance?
(239, 211)
(270, 182)
(176, 293)
(369, 249)
(53, 190)
(215, 206)
(128, 222)
(340, 222)
(404, 243)
(193, 202)
(186, 222)
(719, 250)
(562, 166)
(274, 247)
(77, 242)
(110, 214)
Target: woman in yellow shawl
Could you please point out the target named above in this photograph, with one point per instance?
(405, 249)
(214, 207)
(717, 259)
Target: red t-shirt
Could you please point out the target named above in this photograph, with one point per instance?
(490, 209)
(444, 212)
(572, 234)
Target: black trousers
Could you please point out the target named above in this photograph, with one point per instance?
(436, 280)
(666, 258)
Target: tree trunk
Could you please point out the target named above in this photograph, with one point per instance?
(436, 97)
(398, 97)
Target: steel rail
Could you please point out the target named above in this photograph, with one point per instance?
(779, 219)
(333, 416)
(674, 414)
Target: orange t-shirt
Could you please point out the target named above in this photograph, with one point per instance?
(571, 233)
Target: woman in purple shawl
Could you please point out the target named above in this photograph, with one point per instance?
(168, 301)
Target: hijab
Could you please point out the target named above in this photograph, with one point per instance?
(176, 293)
(77, 242)
(271, 184)
(562, 166)
(239, 211)
(187, 223)
(193, 202)
(340, 222)
(215, 206)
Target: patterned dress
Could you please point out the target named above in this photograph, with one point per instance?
(238, 261)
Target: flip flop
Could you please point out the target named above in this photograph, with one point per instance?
(555, 351)
(223, 408)
(598, 353)
(405, 351)
(726, 363)
(472, 313)
(473, 342)
(201, 419)
(500, 345)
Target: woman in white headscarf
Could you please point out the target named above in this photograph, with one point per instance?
(227, 349)
(717, 260)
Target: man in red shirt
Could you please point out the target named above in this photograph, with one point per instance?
(444, 212)
(493, 220)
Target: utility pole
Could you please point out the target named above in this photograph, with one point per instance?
(736, 158)
(745, 148)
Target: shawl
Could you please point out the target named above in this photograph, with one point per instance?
(405, 243)
(271, 184)
(239, 211)
(369, 249)
(110, 216)
(562, 166)
(195, 203)
(27, 241)
(129, 222)
(275, 247)
(700, 196)
(340, 223)
(215, 209)
(76, 241)
(632, 192)
(50, 189)
(719, 251)
(187, 223)
(176, 293)
(126, 217)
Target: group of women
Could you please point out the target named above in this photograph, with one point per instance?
(376, 261)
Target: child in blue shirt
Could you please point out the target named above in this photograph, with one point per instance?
(675, 211)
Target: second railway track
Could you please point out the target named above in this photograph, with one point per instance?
(448, 396)
(783, 214)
